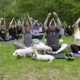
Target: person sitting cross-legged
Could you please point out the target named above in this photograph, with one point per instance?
(76, 46)
(52, 34)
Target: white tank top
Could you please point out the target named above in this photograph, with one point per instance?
(77, 38)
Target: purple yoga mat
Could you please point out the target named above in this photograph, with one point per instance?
(76, 55)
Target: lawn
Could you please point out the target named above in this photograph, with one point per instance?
(12, 68)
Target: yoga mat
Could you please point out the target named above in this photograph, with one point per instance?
(76, 55)
(59, 56)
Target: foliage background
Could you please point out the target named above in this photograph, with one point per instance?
(68, 10)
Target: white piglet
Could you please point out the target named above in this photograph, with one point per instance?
(42, 47)
(24, 52)
(45, 57)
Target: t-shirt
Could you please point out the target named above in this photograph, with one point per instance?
(3, 33)
(27, 39)
(40, 29)
(19, 30)
(35, 30)
(12, 32)
(52, 37)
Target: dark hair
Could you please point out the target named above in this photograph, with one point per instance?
(52, 23)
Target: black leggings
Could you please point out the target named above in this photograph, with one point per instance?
(75, 48)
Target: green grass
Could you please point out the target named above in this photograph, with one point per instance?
(12, 68)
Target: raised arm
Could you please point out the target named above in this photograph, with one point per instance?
(52, 21)
(11, 22)
(77, 23)
(46, 21)
(22, 21)
(19, 22)
(57, 19)
(30, 20)
(23, 29)
(3, 22)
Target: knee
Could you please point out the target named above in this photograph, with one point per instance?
(65, 45)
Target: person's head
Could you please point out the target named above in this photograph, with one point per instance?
(27, 27)
(19, 23)
(36, 24)
(2, 26)
(40, 25)
(69, 27)
(19, 26)
(12, 26)
(52, 26)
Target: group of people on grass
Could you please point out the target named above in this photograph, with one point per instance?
(16, 29)
(13, 32)
(52, 35)
(31, 29)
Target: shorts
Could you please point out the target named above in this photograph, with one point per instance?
(55, 47)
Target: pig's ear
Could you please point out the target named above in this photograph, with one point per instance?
(33, 55)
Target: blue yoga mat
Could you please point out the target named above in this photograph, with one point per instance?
(59, 56)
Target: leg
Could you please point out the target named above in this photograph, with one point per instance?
(63, 47)
(74, 48)
(50, 61)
